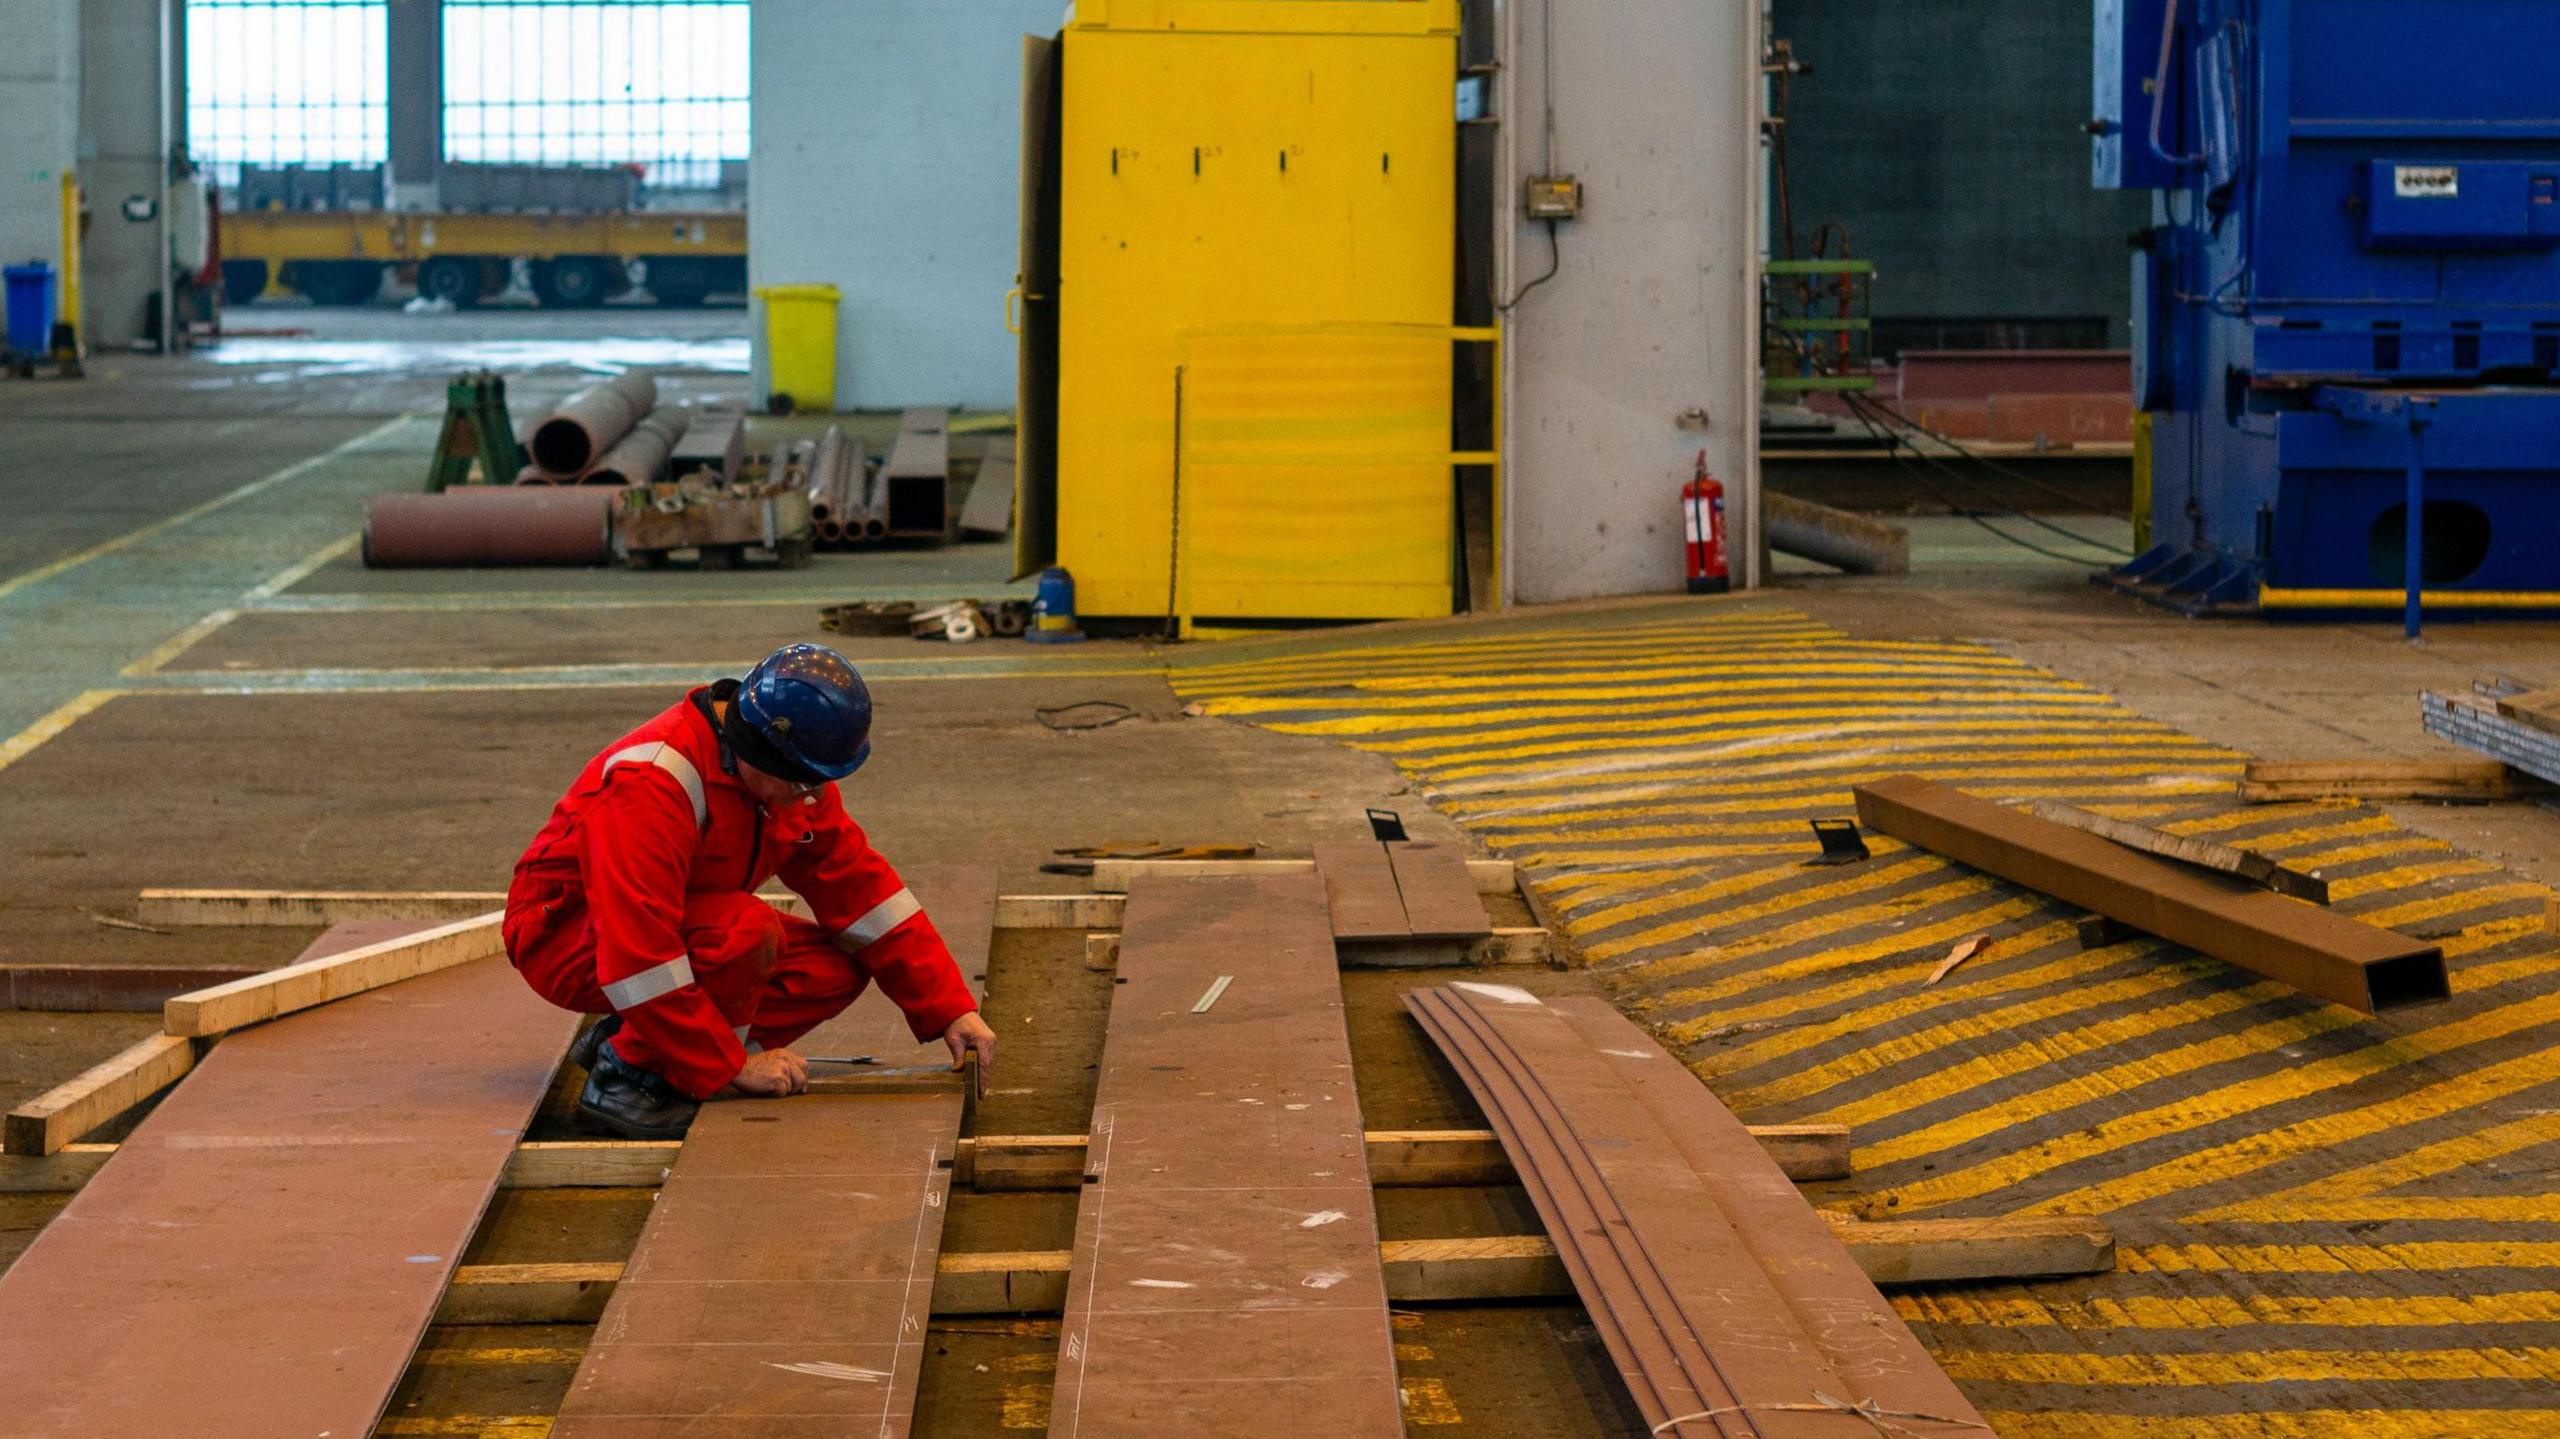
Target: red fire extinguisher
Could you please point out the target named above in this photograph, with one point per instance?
(1702, 508)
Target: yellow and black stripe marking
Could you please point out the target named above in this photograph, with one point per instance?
(2331, 1225)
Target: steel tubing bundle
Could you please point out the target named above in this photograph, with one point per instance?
(472, 525)
(640, 456)
(587, 424)
(1730, 1309)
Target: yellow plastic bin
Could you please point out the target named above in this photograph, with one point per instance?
(800, 343)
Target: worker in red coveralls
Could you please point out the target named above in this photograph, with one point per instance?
(637, 901)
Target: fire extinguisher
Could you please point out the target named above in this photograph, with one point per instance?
(1702, 508)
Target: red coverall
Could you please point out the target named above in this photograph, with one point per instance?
(638, 898)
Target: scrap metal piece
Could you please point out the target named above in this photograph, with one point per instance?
(1731, 1309)
(2321, 953)
(1840, 843)
(2196, 850)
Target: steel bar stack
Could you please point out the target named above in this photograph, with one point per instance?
(1727, 1303)
(2488, 724)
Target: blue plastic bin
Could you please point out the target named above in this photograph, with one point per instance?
(30, 307)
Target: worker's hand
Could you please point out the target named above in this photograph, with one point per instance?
(769, 1074)
(968, 1034)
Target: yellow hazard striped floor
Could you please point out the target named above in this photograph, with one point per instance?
(2331, 1225)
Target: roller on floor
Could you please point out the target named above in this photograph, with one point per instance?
(490, 525)
(1855, 543)
(587, 424)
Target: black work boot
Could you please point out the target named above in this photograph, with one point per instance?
(582, 1050)
(621, 1099)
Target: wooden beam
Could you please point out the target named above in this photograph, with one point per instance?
(1491, 876)
(312, 982)
(2246, 866)
(1002, 1163)
(1060, 911)
(1940, 1251)
(1419, 1271)
(44, 1124)
(307, 908)
(2279, 781)
(590, 1164)
(310, 908)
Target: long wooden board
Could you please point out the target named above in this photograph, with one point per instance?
(1226, 1277)
(2278, 781)
(309, 982)
(783, 1282)
(260, 1258)
(44, 1124)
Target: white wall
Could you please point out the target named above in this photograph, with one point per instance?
(887, 135)
(1654, 310)
(39, 126)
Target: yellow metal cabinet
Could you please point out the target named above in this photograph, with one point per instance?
(1254, 254)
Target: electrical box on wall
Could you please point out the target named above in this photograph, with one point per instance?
(1554, 197)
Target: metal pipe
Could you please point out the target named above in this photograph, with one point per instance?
(640, 456)
(1835, 537)
(472, 525)
(572, 437)
(2420, 413)
(826, 475)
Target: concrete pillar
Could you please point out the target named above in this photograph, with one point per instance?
(1643, 346)
(124, 128)
(416, 49)
(39, 126)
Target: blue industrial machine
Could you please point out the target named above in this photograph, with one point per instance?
(2347, 307)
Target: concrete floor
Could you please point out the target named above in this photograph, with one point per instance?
(198, 687)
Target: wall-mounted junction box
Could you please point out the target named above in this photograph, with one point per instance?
(1553, 197)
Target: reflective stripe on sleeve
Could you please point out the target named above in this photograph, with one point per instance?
(655, 982)
(885, 916)
(666, 757)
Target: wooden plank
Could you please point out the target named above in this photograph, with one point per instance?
(1360, 891)
(1943, 1251)
(309, 908)
(1059, 911)
(1495, 950)
(1902, 1253)
(1112, 876)
(305, 908)
(1440, 900)
(261, 1257)
(44, 1124)
(1226, 1266)
(108, 988)
(2244, 865)
(2279, 781)
(784, 1278)
(310, 982)
(1398, 1159)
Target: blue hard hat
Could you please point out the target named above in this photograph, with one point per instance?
(809, 708)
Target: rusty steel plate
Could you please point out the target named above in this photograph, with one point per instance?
(2342, 960)
(262, 1255)
(784, 1280)
(1226, 1277)
(1730, 1309)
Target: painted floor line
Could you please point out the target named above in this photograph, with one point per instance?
(19, 745)
(290, 472)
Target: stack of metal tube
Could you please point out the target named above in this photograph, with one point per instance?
(837, 474)
(583, 454)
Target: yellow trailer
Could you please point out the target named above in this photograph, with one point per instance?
(1250, 287)
(340, 257)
